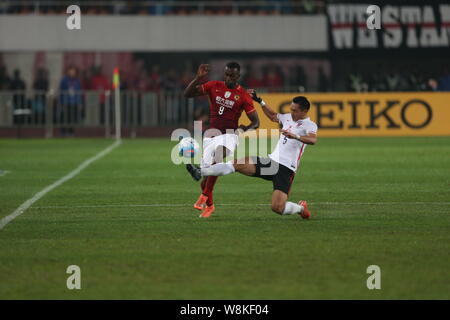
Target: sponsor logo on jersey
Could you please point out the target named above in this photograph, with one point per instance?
(224, 102)
(227, 94)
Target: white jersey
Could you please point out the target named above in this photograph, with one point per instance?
(289, 151)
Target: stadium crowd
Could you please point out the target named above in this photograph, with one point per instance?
(395, 79)
(178, 7)
(166, 86)
(270, 79)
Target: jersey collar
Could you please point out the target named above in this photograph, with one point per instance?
(299, 121)
(238, 86)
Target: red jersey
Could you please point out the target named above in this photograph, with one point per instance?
(226, 105)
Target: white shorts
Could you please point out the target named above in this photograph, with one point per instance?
(228, 140)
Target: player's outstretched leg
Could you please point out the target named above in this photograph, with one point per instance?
(218, 169)
(244, 166)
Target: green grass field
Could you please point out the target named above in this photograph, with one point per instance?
(128, 222)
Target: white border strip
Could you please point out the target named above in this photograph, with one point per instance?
(24, 206)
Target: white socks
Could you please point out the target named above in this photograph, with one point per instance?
(292, 208)
(218, 169)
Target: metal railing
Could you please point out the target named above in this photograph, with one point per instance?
(67, 110)
(78, 109)
(163, 7)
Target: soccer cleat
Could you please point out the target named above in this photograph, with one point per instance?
(201, 202)
(207, 212)
(305, 214)
(194, 171)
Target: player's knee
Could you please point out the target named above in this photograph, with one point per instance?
(278, 207)
(238, 167)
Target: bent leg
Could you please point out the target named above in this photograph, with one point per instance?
(246, 166)
(279, 199)
(281, 206)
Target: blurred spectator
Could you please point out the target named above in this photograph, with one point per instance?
(273, 80)
(86, 77)
(171, 81)
(99, 83)
(70, 100)
(252, 81)
(376, 82)
(18, 85)
(186, 78)
(444, 81)
(323, 83)
(158, 8)
(155, 79)
(4, 79)
(142, 82)
(415, 81)
(309, 6)
(41, 82)
(431, 85)
(70, 87)
(395, 81)
(171, 86)
(298, 79)
(41, 85)
(355, 82)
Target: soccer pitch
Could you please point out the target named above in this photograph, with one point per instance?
(127, 221)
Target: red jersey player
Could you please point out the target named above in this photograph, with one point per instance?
(227, 101)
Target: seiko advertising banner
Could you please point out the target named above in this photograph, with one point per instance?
(369, 114)
(364, 26)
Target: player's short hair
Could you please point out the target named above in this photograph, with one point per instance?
(302, 102)
(233, 65)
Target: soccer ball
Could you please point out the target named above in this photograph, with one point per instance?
(188, 147)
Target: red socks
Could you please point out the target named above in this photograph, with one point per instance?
(203, 183)
(208, 189)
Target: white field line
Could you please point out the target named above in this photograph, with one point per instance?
(237, 204)
(24, 206)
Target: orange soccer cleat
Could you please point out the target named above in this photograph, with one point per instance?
(305, 214)
(207, 212)
(201, 202)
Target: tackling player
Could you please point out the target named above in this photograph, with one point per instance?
(297, 132)
(227, 100)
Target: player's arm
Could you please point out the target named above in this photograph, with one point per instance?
(311, 138)
(254, 118)
(272, 115)
(194, 89)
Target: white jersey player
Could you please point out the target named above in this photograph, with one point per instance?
(297, 132)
